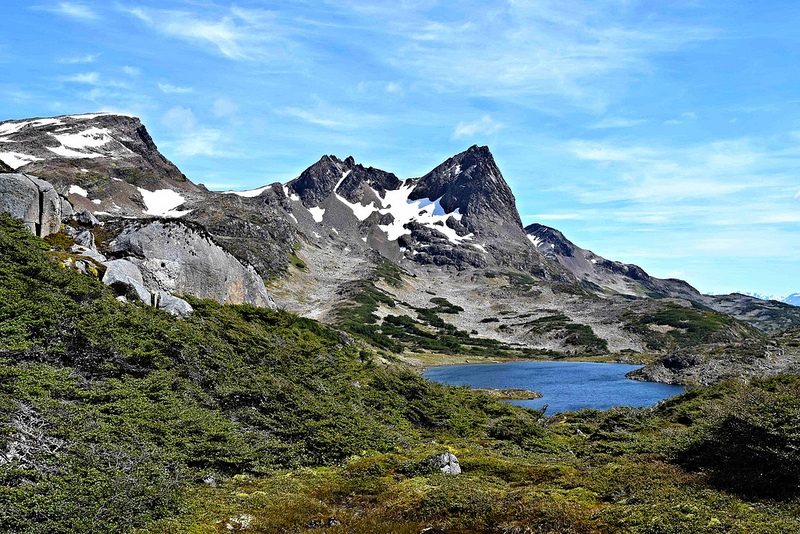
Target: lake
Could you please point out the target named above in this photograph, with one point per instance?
(565, 386)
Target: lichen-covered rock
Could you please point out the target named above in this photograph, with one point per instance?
(447, 462)
(180, 258)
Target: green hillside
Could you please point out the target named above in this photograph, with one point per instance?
(117, 417)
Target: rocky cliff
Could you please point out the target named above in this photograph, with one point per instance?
(339, 235)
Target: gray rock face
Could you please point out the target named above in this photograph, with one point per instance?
(126, 279)
(174, 257)
(710, 364)
(33, 200)
(447, 462)
(317, 182)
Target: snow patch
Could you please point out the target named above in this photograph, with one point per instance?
(96, 201)
(89, 138)
(423, 211)
(317, 213)
(535, 240)
(288, 193)
(78, 190)
(13, 127)
(15, 160)
(480, 247)
(74, 154)
(293, 217)
(249, 194)
(88, 116)
(162, 202)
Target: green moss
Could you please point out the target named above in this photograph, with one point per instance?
(298, 263)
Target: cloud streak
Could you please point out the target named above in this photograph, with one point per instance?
(76, 11)
(483, 126)
(236, 33)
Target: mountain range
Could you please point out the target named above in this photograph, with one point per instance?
(444, 254)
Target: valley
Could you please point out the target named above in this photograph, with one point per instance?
(175, 359)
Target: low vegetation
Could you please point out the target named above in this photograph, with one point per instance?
(120, 418)
(686, 326)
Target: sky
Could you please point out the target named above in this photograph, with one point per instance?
(665, 134)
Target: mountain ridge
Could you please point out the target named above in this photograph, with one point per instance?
(321, 240)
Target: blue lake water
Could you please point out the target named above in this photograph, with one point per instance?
(565, 386)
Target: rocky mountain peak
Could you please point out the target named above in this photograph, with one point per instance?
(103, 161)
(472, 183)
(550, 241)
(347, 178)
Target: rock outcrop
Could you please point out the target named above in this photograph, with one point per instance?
(177, 257)
(34, 201)
(710, 364)
(447, 462)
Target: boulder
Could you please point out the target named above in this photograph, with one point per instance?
(126, 279)
(66, 210)
(85, 239)
(19, 197)
(178, 258)
(34, 201)
(50, 207)
(447, 462)
(86, 218)
(173, 305)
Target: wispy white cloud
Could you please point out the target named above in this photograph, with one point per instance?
(224, 107)
(617, 122)
(394, 87)
(92, 78)
(131, 71)
(192, 139)
(240, 34)
(685, 116)
(584, 53)
(88, 58)
(331, 117)
(173, 89)
(483, 126)
(77, 11)
(653, 174)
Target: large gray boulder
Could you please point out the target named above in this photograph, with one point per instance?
(34, 201)
(177, 258)
(126, 279)
(172, 304)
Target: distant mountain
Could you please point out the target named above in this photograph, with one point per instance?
(603, 275)
(793, 299)
(430, 262)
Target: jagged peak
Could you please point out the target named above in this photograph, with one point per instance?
(347, 178)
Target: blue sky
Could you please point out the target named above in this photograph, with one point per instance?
(665, 134)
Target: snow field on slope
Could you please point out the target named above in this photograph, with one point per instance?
(423, 211)
(162, 202)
